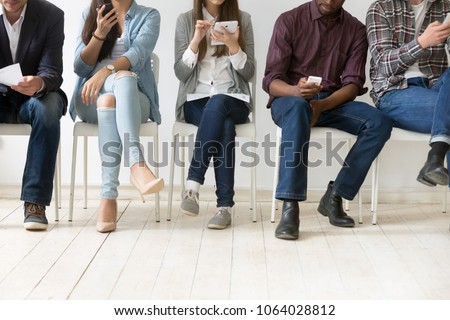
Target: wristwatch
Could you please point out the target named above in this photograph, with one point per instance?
(111, 68)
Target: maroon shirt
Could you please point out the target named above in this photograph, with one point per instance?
(305, 44)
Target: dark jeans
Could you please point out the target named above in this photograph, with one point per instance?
(43, 115)
(293, 115)
(215, 118)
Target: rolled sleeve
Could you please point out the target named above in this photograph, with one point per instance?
(190, 58)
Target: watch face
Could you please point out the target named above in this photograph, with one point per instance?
(110, 67)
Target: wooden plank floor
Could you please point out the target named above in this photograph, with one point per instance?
(405, 256)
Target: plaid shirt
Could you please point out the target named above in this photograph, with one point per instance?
(392, 44)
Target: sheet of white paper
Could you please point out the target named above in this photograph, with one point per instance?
(11, 75)
(197, 96)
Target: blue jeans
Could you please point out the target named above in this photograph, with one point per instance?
(420, 108)
(117, 127)
(43, 115)
(215, 118)
(293, 115)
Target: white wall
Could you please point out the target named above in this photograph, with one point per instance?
(399, 166)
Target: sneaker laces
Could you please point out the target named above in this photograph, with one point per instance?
(222, 211)
(36, 210)
(190, 195)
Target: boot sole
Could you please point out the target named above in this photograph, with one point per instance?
(324, 212)
(437, 177)
(286, 236)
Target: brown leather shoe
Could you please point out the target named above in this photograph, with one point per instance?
(34, 217)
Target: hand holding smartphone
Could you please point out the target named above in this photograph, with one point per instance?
(108, 7)
(230, 26)
(313, 79)
(447, 18)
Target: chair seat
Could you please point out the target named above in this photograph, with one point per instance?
(405, 135)
(183, 129)
(9, 129)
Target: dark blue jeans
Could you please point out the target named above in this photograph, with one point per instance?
(215, 118)
(43, 115)
(421, 108)
(293, 115)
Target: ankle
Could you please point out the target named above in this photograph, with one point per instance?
(141, 169)
(192, 185)
(107, 210)
(438, 150)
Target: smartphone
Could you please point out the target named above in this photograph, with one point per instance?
(108, 7)
(230, 26)
(447, 18)
(312, 79)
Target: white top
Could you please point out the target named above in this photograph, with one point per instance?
(419, 11)
(117, 51)
(13, 31)
(214, 77)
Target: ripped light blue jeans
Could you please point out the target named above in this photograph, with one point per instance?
(118, 127)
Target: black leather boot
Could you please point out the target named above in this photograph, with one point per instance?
(331, 206)
(433, 172)
(290, 222)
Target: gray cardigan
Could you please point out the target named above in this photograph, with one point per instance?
(189, 77)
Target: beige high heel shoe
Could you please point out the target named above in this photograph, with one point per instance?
(106, 226)
(143, 179)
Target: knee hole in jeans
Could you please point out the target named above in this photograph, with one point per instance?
(125, 73)
(106, 101)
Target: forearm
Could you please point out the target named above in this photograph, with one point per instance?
(90, 53)
(339, 97)
(279, 88)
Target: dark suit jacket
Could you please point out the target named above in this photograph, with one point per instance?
(40, 48)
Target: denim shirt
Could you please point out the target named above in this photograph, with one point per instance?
(142, 25)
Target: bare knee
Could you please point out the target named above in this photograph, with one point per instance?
(106, 101)
(125, 73)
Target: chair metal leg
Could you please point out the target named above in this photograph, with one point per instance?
(72, 176)
(275, 175)
(360, 217)
(182, 160)
(57, 185)
(253, 186)
(375, 186)
(444, 199)
(172, 165)
(85, 164)
(156, 161)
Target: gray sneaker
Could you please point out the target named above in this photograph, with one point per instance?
(189, 202)
(221, 219)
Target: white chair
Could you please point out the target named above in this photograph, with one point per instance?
(85, 130)
(182, 130)
(406, 136)
(7, 129)
(317, 133)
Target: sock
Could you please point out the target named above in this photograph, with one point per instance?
(192, 185)
(224, 208)
(439, 149)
